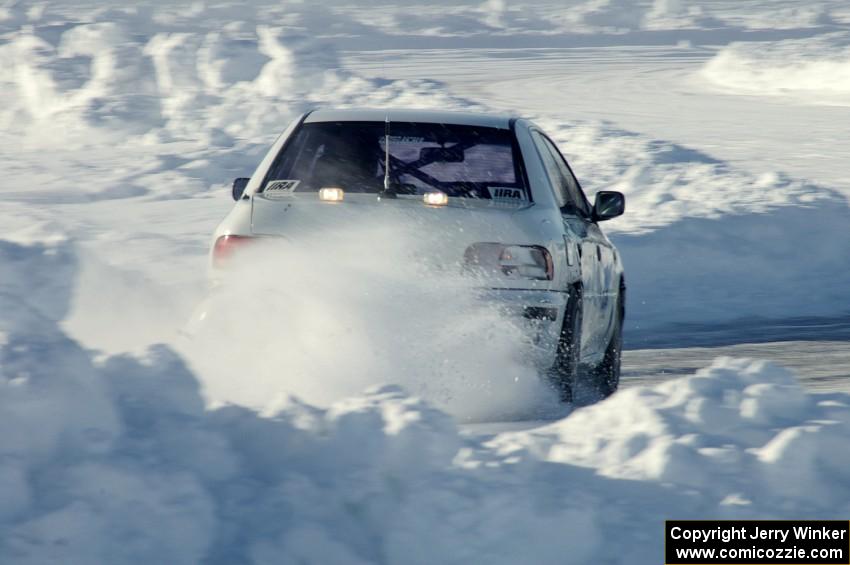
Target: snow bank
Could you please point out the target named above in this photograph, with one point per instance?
(704, 242)
(630, 16)
(665, 182)
(740, 433)
(622, 16)
(782, 14)
(501, 21)
(167, 101)
(813, 70)
(119, 461)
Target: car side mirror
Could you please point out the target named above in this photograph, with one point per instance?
(609, 204)
(239, 187)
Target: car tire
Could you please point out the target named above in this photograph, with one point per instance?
(599, 382)
(566, 367)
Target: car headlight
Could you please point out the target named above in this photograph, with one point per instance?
(511, 261)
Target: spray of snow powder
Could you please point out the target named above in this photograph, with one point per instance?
(330, 317)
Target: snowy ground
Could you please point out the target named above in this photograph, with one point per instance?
(120, 128)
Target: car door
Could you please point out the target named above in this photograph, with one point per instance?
(576, 214)
(607, 275)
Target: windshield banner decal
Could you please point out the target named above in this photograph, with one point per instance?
(506, 193)
(280, 187)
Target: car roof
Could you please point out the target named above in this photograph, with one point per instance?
(500, 121)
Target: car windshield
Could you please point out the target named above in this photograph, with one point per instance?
(462, 161)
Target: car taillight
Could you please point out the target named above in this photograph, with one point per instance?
(226, 245)
(512, 261)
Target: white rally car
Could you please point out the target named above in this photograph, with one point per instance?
(528, 226)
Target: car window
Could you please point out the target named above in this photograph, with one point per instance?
(552, 171)
(564, 199)
(572, 183)
(570, 188)
(460, 160)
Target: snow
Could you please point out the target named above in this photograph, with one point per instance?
(698, 227)
(121, 462)
(124, 442)
(347, 310)
(134, 107)
(812, 70)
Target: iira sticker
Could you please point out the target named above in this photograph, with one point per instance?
(280, 187)
(505, 193)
